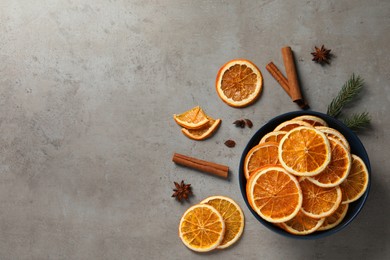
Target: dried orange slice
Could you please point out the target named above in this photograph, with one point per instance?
(259, 156)
(232, 216)
(338, 168)
(204, 132)
(248, 182)
(354, 186)
(239, 83)
(194, 118)
(334, 219)
(304, 151)
(330, 132)
(291, 124)
(274, 136)
(312, 120)
(202, 228)
(302, 224)
(274, 194)
(319, 202)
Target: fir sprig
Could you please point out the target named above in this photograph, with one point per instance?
(358, 121)
(350, 90)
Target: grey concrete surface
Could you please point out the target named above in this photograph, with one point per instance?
(87, 93)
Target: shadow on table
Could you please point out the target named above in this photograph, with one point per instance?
(365, 238)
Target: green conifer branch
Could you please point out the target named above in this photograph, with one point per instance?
(358, 121)
(349, 90)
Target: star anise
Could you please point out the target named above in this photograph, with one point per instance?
(321, 55)
(182, 191)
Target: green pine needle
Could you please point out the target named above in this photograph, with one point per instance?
(350, 90)
(358, 121)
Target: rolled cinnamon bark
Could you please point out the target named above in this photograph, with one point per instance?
(292, 76)
(204, 166)
(278, 76)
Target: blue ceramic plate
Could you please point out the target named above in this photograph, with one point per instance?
(356, 148)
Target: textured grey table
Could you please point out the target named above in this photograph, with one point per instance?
(87, 93)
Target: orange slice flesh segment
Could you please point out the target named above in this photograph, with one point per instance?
(274, 136)
(205, 132)
(249, 180)
(259, 156)
(338, 168)
(274, 194)
(239, 83)
(232, 216)
(304, 151)
(319, 202)
(334, 219)
(354, 186)
(331, 132)
(302, 224)
(194, 118)
(312, 120)
(291, 124)
(201, 228)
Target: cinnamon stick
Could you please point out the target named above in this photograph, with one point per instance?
(278, 76)
(204, 166)
(292, 76)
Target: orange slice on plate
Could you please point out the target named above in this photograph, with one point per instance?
(291, 124)
(330, 132)
(194, 118)
(354, 186)
(202, 133)
(232, 216)
(302, 224)
(259, 156)
(304, 151)
(239, 83)
(202, 228)
(319, 202)
(312, 120)
(274, 136)
(248, 182)
(338, 168)
(274, 194)
(334, 219)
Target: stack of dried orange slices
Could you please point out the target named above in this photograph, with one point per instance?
(302, 176)
(217, 222)
(196, 124)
